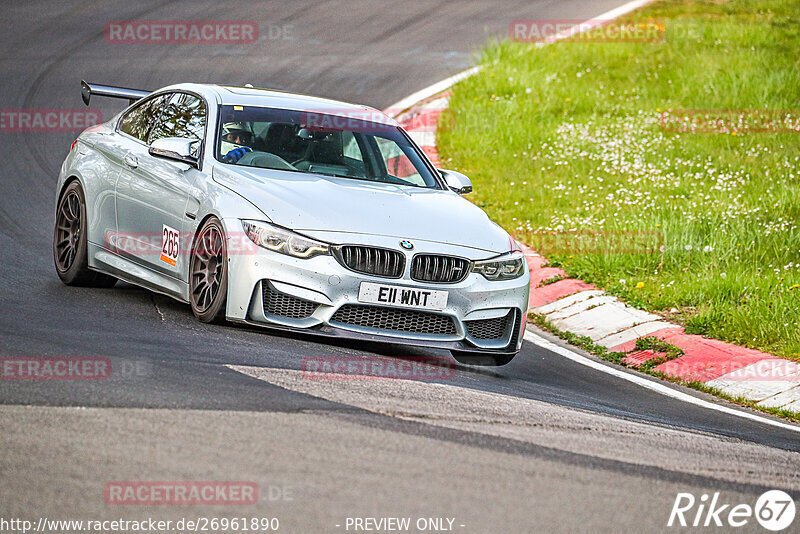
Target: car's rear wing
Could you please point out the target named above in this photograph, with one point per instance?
(89, 89)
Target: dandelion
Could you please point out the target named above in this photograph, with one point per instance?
(640, 285)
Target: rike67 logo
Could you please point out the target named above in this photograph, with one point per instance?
(774, 510)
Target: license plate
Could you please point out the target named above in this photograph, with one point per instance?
(406, 297)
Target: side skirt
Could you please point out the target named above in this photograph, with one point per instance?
(107, 262)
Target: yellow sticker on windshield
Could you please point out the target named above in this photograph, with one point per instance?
(238, 108)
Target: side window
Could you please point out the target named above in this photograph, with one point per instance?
(351, 148)
(397, 162)
(183, 116)
(139, 120)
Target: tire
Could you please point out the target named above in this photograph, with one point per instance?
(70, 242)
(481, 358)
(208, 273)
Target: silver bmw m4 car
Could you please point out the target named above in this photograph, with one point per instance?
(287, 211)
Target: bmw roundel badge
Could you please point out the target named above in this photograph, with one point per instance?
(406, 244)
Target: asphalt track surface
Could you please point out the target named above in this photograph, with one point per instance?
(542, 444)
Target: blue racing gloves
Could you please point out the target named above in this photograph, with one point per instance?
(236, 154)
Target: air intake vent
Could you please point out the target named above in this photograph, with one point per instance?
(517, 328)
(277, 303)
(496, 328)
(371, 260)
(379, 318)
(439, 269)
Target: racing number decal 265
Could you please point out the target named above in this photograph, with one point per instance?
(170, 245)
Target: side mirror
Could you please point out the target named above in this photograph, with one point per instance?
(175, 149)
(457, 181)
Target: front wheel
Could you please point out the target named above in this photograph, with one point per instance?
(70, 242)
(481, 358)
(208, 273)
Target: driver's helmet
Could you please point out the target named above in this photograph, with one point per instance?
(238, 134)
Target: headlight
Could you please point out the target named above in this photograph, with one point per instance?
(284, 241)
(505, 267)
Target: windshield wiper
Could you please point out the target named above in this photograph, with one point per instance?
(398, 181)
(334, 175)
(394, 180)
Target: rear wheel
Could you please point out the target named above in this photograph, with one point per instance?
(208, 273)
(70, 242)
(481, 358)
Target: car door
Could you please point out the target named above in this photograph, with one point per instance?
(152, 192)
(131, 133)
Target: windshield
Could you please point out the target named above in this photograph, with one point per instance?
(330, 144)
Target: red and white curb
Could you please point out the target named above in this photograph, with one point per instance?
(577, 307)
(574, 306)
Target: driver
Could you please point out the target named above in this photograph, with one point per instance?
(237, 140)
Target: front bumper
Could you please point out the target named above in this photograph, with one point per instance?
(320, 296)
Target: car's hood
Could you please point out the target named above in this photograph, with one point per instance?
(313, 203)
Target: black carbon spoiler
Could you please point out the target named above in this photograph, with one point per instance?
(89, 89)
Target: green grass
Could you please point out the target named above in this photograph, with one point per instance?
(659, 345)
(564, 148)
(669, 351)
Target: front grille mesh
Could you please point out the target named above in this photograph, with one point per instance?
(489, 328)
(438, 269)
(277, 303)
(417, 322)
(372, 260)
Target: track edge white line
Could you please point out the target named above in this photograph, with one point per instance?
(649, 383)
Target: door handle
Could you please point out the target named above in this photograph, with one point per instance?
(131, 161)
